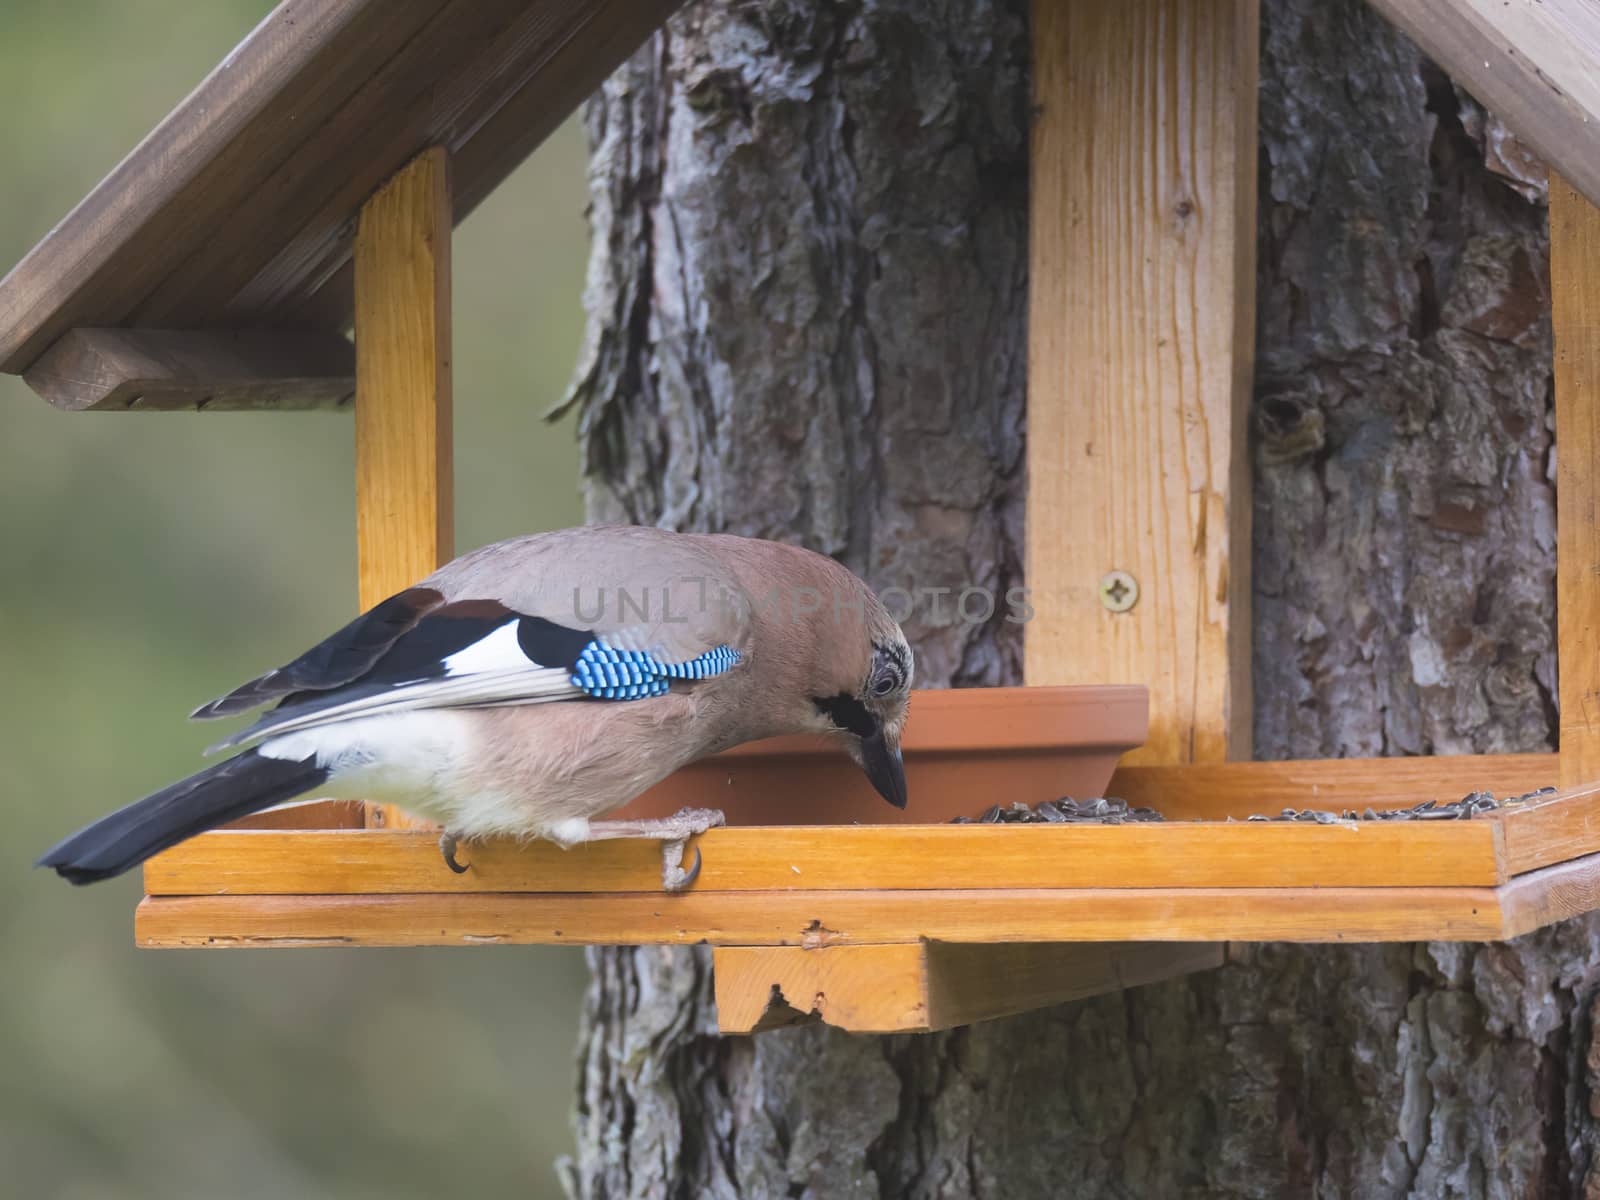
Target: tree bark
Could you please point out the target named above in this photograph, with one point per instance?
(806, 306)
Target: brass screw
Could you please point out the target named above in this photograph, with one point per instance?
(1119, 591)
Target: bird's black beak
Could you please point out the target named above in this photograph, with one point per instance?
(880, 759)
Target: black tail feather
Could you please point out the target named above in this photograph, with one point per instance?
(242, 785)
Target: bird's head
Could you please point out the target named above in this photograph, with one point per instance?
(871, 690)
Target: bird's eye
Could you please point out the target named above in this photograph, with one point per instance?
(885, 685)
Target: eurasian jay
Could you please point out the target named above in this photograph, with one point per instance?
(536, 684)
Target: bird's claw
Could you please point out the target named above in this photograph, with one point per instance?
(447, 847)
(692, 822)
(673, 877)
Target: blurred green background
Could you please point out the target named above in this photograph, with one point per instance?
(153, 561)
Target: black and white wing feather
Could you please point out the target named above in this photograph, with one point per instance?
(468, 654)
(343, 658)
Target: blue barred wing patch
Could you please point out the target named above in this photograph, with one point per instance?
(607, 673)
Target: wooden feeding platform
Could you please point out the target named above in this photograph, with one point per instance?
(895, 927)
(1494, 876)
(311, 183)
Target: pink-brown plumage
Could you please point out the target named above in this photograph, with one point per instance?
(458, 700)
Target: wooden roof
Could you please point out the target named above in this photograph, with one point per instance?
(1534, 63)
(238, 210)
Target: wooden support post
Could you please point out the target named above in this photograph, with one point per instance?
(404, 487)
(917, 987)
(1140, 339)
(1575, 312)
(1141, 331)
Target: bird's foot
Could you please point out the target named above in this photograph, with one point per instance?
(685, 824)
(447, 847)
(688, 822)
(674, 833)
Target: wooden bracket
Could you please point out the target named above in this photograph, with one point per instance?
(918, 987)
(405, 512)
(144, 370)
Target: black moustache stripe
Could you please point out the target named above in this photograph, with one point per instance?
(848, 713)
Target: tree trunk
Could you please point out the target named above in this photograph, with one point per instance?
(806, 309)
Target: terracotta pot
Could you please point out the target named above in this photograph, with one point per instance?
(965, 749)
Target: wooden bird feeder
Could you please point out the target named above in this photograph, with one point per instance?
(313, 181)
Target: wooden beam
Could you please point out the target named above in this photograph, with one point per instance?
(848, 918)
(1575, 318)
(1141, 334)
(1534, 63)
(144, 370)
(1244, 854)
(920, 987)
(1215, 791)
(405, 512)
(238, 208)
